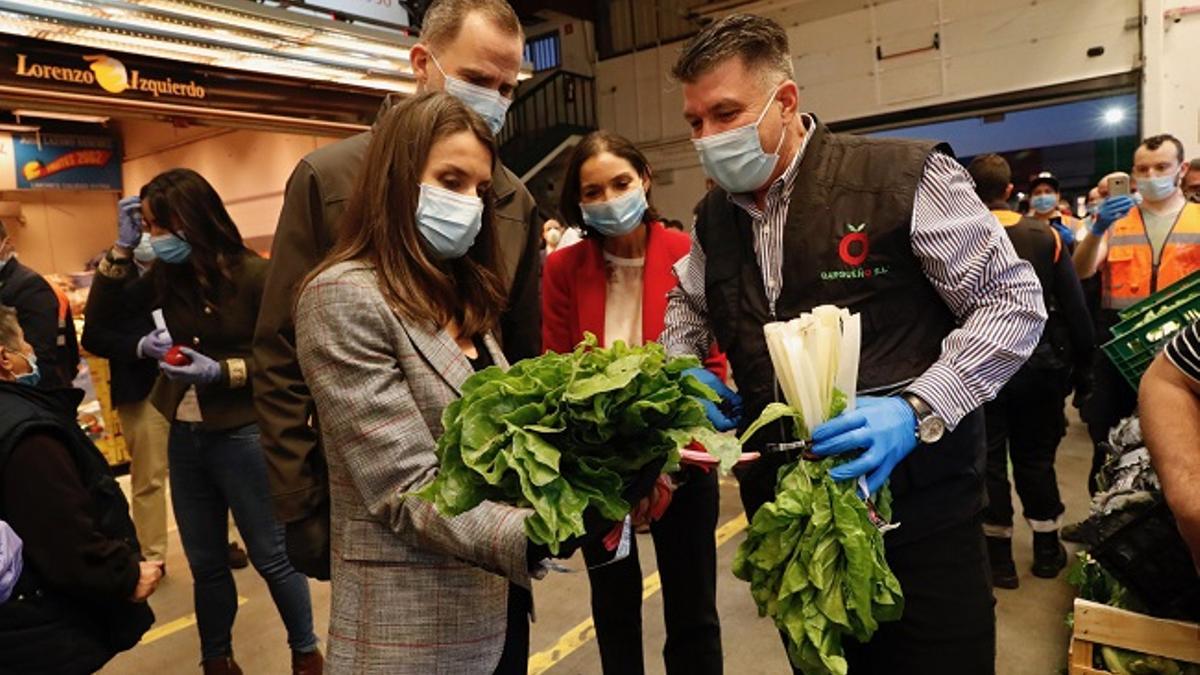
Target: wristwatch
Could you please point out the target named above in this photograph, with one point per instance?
(930, 427)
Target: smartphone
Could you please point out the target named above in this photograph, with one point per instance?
(1118, 185)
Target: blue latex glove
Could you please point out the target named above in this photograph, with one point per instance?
(885, 429)
(11, 561)
(720, 421)
(202, 370)
(1064, 233)
(129, 222)
(1111, 210)
(155, 344)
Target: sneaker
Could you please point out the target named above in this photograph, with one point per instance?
(1004, 570)
(1049, 555)
(238, 559)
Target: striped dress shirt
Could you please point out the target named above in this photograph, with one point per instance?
(964, 253)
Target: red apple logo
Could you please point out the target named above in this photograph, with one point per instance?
(855, 246)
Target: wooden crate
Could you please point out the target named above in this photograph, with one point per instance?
(1097, 624)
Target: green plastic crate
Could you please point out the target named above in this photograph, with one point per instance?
(1137, 340)
(1189, 284)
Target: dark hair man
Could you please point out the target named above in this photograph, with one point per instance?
(1139, 249)
(1191, 181)
(472, 49)
(45, 319)
(1026, 421)
(1045, 200)
(949, 314)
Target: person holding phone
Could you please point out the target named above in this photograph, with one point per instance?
(1138, 248)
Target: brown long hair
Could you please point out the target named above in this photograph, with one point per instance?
(591, 145)
(380, 226)
(187, 205)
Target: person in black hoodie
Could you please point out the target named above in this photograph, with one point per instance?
(47, 324)
(81, 596)
(1026, 422)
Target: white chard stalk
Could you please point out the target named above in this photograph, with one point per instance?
(814, 355)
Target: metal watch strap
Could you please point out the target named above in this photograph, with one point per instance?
(921, 410)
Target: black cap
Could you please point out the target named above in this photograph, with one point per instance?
(1044, 177)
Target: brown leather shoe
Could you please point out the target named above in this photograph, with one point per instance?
(308, 663)
(224, 665)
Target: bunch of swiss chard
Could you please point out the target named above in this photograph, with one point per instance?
(560, 433)
(814, 557)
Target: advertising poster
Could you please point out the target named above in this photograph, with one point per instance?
(67, 162)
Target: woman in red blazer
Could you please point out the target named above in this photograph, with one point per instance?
(614, 284)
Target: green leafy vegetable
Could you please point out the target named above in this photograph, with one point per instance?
(562, 432)
(814, 559)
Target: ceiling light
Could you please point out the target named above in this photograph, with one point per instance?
(1114, 116)
(55, 115)
(19, 128)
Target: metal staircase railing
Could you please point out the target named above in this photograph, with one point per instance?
(540, 119)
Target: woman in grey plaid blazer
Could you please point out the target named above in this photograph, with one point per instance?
(384, 330)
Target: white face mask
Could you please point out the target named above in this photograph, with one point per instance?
(735, 158)
(486, 103)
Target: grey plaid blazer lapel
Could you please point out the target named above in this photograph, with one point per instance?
(444, 356)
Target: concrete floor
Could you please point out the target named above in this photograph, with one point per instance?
(1032, 636)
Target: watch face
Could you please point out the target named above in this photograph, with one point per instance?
(931, 429)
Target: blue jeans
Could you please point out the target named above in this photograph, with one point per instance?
(213, 473)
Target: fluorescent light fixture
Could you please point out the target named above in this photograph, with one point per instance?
(55, 115)
(1114, 116)
(19, 128)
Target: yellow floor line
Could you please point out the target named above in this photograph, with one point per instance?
(172, 627)
(583, 633)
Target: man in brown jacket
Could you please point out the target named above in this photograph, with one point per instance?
(473, 50)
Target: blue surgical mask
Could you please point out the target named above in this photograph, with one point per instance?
(1044, 203)
(34, 376)
(618, 216)
(1158, 188)
(1093, 208)
(170, 248)
(735, 158)
(487, 103)
(448, 221)
(144, 251)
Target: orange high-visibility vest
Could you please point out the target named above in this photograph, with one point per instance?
(1131, 273)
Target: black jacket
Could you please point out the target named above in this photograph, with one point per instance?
(112, 329)
(1068, 340)
(222, 330)
(70, 611)
(37, 311)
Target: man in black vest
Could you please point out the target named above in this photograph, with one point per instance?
(1026, 420)
(892, 230)
(48, 327)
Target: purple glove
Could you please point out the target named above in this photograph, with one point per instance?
(11, 561)
(155, 344)
(129, 222)
(885, 429)
(202, 370)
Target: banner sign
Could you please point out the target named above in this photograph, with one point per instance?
(67, 162)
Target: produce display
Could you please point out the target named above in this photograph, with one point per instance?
(560, 433)
(814, 557)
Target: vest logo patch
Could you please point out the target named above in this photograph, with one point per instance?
(853, 249)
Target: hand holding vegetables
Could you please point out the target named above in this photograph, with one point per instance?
(719, 420)
(883, 428)
(201, 370)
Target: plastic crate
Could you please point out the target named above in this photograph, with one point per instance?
(1137, 341)
(1150, 559)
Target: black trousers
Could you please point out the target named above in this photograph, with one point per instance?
(1112, 400)
(1025, 422)
(514, 660)
(949, 622)
(687, 564)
